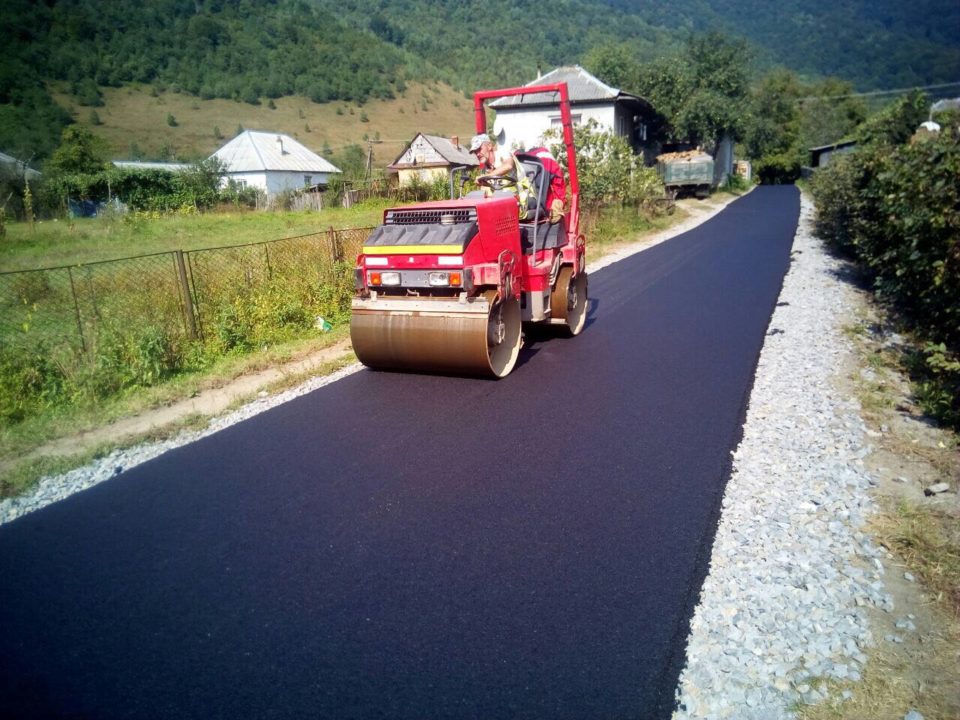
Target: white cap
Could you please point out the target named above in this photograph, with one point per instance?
(478, 141)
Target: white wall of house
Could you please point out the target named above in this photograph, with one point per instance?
(521, 129)
(420, 152)
(274, 181)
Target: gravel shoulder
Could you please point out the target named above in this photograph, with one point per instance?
(801, 602)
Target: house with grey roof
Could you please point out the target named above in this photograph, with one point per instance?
(274, 162)
(522, 119)
(429, 157)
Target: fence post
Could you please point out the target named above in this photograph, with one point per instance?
(190, 320)
(336, 246)
(76, 310)
(266, 255)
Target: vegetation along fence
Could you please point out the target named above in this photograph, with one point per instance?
(95, 328)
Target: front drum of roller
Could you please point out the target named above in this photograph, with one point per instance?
(480, 337)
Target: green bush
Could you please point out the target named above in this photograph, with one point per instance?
(896, 210)
(29, 379)
(608, 171)
(779, 168)
(197, 186)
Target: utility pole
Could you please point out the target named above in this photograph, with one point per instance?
(369, 169)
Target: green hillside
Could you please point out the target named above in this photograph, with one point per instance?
(321, 52)
(133, 121)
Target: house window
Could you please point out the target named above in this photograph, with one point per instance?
(307, 180)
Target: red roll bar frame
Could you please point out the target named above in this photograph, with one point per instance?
(573, 222)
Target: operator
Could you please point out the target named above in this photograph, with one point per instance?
(483, 147)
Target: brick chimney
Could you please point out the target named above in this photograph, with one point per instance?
(455, 140)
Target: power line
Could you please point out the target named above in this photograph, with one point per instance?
(874, 93)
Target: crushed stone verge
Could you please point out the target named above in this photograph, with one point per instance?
(792, 572)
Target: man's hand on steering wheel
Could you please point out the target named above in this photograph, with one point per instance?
(496, 182)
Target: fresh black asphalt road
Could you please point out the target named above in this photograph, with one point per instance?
(413, 546)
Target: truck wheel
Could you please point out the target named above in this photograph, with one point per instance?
(568, 301)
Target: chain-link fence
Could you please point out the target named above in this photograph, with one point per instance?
(179, 294)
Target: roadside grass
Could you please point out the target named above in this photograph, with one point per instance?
(925, 539)
(17, 441)
(928, 541)
(56, 243)
(24, 475)
(616, 227)
(891, 685)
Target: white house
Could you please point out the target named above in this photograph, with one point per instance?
(522, 120)
(429, 157)
(273, 162)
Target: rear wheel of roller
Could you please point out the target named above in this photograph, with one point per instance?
(568, 302)
(503, 335)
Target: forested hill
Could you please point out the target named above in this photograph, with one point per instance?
(247, 50)
(354, 50)
(872, 43)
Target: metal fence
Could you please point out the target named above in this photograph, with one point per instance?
(180, 292)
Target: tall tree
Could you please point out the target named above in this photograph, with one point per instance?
(80, 152)
(703, 91)
(614, 64)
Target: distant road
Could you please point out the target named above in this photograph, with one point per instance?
(411, 546)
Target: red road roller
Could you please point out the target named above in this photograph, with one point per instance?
(447, 286)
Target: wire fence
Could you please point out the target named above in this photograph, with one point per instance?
(183, 294)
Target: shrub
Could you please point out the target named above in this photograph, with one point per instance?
(896, 210)
(609, 173)
(29, 378)
(779, 168)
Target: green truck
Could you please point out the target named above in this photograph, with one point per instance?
(686, 172)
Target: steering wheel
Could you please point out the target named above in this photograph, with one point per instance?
(496, 182)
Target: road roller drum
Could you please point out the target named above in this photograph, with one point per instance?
(477, 336)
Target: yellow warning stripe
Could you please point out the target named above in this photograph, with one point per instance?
(412, 249)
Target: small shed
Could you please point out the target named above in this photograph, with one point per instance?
(820, 156)
(429, 157)
(274, 163)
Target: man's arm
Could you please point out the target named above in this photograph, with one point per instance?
(504, 168)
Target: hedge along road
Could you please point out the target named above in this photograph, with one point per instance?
(413, 546)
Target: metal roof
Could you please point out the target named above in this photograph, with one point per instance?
(146, 165)
(834, 146)
(581, 86)
(254, 151)
(28, 172)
